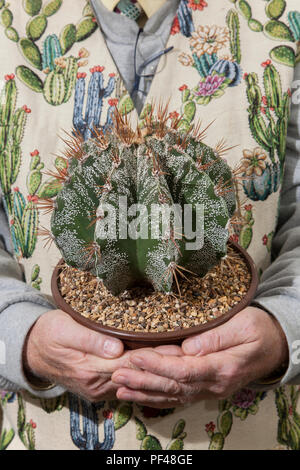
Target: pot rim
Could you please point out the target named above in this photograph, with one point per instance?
(167, 336)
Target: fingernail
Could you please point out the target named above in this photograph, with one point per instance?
(120, 379)
(192, 346)
(111, 348)
(125, 396)
(137, 360)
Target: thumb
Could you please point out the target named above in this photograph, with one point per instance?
(223, 337)
(76, 336)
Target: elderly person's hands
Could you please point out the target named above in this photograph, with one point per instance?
(60, 350)
(214, 365)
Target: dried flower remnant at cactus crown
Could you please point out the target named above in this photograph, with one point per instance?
(157, 166)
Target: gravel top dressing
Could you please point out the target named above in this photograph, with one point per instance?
(141, 309)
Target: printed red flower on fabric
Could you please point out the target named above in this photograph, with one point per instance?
(31, 198)
(266, 63)
(34, 153)
(32, 424)
(183, 87)
(9, 77)
(97, 68)
(210, 427)
(113, 102)
(265, 239)
(197, 4)
(26, 109)
(174, 115)
(175, 26)
(107, 414)
(248, 207)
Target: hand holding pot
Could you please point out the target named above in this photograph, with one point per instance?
(214, 364)
(82, 360)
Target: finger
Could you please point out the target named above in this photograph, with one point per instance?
(158, 400)
(72, 335)
(143, 380)
(169, 350)
(183, 369)
(150, 399)
(223, 337)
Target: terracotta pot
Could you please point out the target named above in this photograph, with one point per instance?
(135, 340)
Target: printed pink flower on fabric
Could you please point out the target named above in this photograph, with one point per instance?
(265, 239)
(209, 85)
(244, 398)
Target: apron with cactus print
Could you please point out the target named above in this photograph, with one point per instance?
(232, 65)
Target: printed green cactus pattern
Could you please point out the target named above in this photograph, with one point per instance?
(150, 442)
(26, 430)
(274, 28)
(60, 79)
(12, 127)
(268, 113)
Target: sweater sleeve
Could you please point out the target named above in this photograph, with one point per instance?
(20, 307)
(279, 289)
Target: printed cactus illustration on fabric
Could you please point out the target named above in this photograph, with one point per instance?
(274, 27)
(84, 425)
(6, 435)
(216, 73)
(268, 115)
(12, 126)
(165, 167)
(183, 21)
(85, 122)
(26, 429)
(48, 57)
(22, 210)
(286, 399)
(24, 215)
(240, 405)
(150, 442)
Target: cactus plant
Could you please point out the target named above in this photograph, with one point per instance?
(167, 168)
